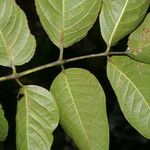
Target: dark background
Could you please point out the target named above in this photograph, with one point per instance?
(122, 135)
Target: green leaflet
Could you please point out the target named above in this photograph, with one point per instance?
(37, 117)
(139, 42)
(3, 125)
(120, 17)
(131, 81)
(17, 45)
(67, 21)
(81, 102)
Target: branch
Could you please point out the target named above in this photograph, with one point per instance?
(59, 62)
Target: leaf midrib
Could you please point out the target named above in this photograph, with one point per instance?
(7, 48)
(117, 24)
(71, 95)
(26, 99)
(132, 84)
(62, 26)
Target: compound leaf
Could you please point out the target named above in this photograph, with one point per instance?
(3, 125)
(120, 17)
(139, 42)
(37, 117)
(67, 21)
(81, 102)
(17, 45)
(131, 81)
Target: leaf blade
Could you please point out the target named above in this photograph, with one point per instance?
(67, 22)
(130, 80)
(139, 42)
(37, 117)
(119, 18)
(3, 125)
(81, 102)
(17, 43)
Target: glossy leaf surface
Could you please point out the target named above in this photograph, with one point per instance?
(17, 45)
(3, 125)
(139, 42)
(67, 21)
(131, 82)
(120, 17)
(82, 108)
(37, 117)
